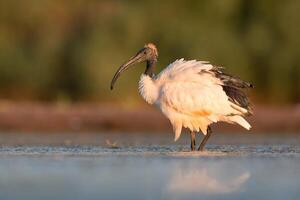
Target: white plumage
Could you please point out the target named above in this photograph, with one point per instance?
(191, 96)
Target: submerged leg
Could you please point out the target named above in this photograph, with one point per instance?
(201, 147)
(193, 141)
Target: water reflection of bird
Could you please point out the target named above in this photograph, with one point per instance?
(191, 94)
(205, 181)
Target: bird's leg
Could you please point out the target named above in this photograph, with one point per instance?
(203, 142)
(193, 141)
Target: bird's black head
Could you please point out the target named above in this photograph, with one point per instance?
(148, 53)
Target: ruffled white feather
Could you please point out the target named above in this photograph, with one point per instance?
(190, 96)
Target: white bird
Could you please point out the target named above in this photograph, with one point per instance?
(191, 94)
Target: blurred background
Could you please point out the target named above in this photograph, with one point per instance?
(57, 59)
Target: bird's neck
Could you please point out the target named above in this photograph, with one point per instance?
(150, 67)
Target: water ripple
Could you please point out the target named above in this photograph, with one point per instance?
(165, 150)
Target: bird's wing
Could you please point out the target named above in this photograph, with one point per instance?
(206, 84)
(233, 86)
(202, 97)
(193, 88)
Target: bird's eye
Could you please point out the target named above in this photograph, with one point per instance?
(145, 52)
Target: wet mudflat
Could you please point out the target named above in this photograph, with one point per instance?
(150, 168)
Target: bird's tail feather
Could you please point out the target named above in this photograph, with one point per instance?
(241, 121)
(177, 127)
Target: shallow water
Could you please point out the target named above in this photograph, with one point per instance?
(144, 170)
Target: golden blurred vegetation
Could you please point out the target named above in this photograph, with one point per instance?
(60, 50)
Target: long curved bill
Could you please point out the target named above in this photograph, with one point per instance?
(133, 60)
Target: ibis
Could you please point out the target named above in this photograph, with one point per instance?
(191, 94)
